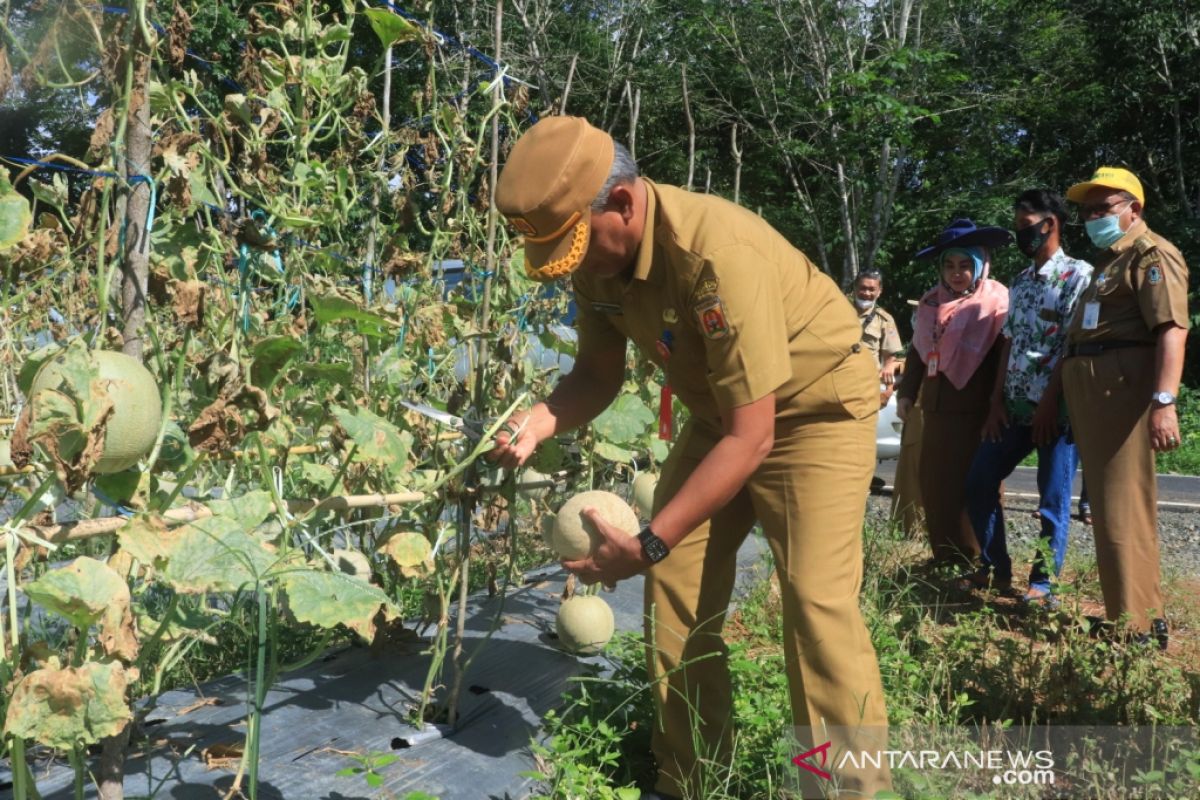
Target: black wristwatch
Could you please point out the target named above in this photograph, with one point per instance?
(654, 548)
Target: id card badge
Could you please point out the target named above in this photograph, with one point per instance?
(1091, 315)
(931, 366)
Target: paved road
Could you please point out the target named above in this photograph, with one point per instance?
(1178, 491)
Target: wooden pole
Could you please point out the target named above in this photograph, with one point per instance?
(89, 528)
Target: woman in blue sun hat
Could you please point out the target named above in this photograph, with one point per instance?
(952, 365)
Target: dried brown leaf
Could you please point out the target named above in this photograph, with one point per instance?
(187, 301)
(102, 134)
(177, 36)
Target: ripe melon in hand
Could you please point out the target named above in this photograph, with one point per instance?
(137, 409)
(574, 536)
(584, 624)
(643, 493)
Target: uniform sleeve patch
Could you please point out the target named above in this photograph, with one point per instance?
(705, 289)
(710, 313)
(1154, 275)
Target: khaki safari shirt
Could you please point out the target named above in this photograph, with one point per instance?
(1140, 282)
(879, 333)
(727, 306)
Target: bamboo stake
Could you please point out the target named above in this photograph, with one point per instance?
(88, 528)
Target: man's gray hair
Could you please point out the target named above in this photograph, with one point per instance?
(624, 170)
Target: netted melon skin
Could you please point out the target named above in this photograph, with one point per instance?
(574, 537)
(137, 408)
(585, 624)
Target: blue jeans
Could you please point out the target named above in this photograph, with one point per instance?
(995, 461)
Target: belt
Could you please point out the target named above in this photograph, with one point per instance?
(1097, 348)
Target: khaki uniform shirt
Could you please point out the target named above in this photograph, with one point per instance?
(879, 333)
(1140, 282)
(745, 314)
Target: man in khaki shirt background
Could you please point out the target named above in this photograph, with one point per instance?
(879, 333)
(1124, 363)
(764, 351)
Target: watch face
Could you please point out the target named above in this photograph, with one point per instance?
(654, 547)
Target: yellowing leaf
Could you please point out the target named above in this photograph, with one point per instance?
(410, 551)
(147, 539)
(80, 591)
(15, 217)
(379, 441)
(61, 707)
(328, 599)
(214, 555)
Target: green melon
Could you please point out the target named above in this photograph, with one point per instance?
(137, 409)
(584, 624)
(643, 493)
(574, 536)
(528, 484)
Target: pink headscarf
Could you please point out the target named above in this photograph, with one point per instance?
(961, 329)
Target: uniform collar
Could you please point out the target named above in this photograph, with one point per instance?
(1053, 264)
(1125, 242)
(644, 268)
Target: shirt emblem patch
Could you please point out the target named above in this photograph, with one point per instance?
(711, 315)
(705, 288)
(670, 316)
(1154, 275)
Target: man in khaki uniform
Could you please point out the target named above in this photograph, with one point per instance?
(879, 333)
(1124, 363)
(763, 350)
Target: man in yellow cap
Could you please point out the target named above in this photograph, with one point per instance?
(1124, 363)
(763, 350)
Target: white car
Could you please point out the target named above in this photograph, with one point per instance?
(887, 432)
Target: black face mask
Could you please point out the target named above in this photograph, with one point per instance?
(1031, 238)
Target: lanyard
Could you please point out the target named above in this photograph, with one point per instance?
(665, 402)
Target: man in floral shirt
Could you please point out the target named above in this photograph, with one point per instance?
(1027, 411)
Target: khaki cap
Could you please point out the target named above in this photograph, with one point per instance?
(1110, 178)
(546, 191)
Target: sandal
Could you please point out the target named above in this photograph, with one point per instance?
(982, 580)
(1085, 516)
(1037, 596)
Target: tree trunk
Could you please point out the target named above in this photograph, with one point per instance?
(691, 125)
(737, 164)
(562, 106)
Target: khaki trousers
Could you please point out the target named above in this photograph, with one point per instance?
(809, 495)
(1108, 398)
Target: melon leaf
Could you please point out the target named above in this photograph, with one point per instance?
(15, 216)
(328, 599)
(61, 707)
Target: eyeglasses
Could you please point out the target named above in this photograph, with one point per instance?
(1100, 209)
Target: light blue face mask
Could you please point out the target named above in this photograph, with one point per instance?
(1105, 231)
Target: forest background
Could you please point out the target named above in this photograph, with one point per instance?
(858, 129)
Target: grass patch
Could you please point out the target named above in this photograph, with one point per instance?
(949, 662)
